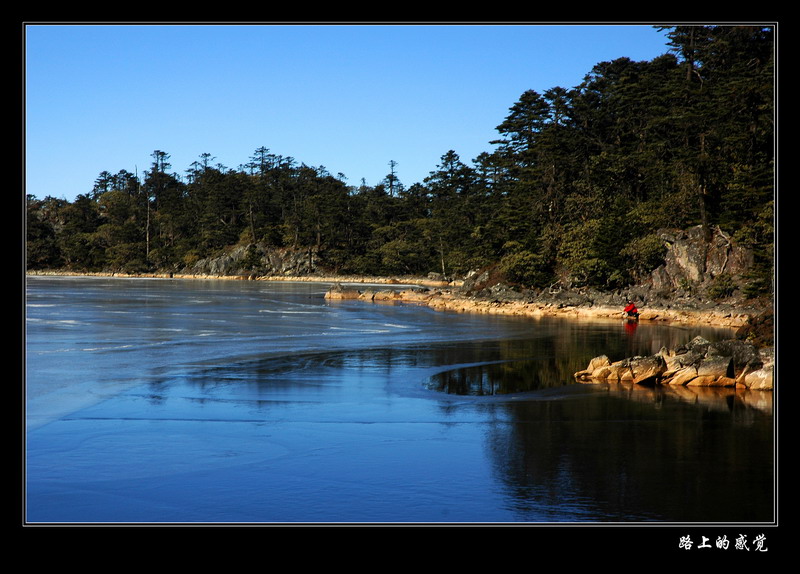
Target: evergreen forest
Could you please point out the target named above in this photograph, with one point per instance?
(573, 190)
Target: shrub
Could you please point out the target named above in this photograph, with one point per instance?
(722, 286)
(525, 268)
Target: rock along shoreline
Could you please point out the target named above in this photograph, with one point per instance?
(730, 363)
(452, 300)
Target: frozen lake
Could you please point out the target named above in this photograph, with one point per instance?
(193, 401)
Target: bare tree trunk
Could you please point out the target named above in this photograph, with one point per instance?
(441, 254)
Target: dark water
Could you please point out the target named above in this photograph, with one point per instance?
(162, 401)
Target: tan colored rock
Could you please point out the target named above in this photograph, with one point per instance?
(625, 373)
(762, 379)
(638, 370)
(681, 376)
(647, 369)
(341, 294)
(595, 364)
(715, 367)
(725, 382)
(617, 371)
(385, 295)
(368, 295)
(648, 316)
(672, 365)
(699, 364)
(603, 373)
(702, 381)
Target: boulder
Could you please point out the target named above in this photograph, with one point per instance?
(681, 376)
(715, 366)
(741, 353)
(620, 371)
(678, 362)
(647, 370)
(761, 376)
(384, 295)
(594, 365)
(761, 380)
(367, 295)
(337, 292)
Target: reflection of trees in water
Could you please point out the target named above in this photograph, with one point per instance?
(624, 452)
(635, 454)
(550, 357)
(498, 378)
(612, 452)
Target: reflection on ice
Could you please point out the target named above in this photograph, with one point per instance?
(219, 411)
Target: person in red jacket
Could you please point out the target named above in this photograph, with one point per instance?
(631, 311)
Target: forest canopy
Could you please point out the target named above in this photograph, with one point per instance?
(573, 189)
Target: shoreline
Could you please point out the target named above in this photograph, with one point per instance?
(347, 279)
(446, 300)
(442, 296)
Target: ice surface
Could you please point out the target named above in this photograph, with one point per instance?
(200, 401)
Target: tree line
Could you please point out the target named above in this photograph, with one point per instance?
(573, 190)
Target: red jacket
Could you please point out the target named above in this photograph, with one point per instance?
(631, 308)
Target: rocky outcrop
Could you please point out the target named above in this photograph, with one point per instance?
(728, 363)
(702, 279)
(257, 260)
(697, 257)
(639, 370)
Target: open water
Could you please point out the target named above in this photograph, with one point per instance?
(194, 401)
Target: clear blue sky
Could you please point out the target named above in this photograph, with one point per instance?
(349, 98)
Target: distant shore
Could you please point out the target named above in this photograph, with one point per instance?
(444, 296)
(301, 279)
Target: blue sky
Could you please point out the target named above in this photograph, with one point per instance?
(350, 98)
